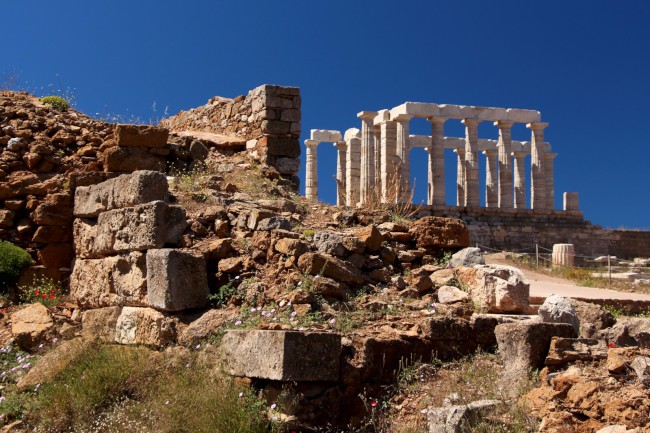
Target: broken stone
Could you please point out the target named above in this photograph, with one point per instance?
(557, 309)
(128, 190)
(451, 295)
(130, 159)
(282, 355)
(291, 247)
(565, 350)
(176, 279)
(331, 267)
(141, 136)
(457, 419)
(496, 288)
(641, 366)
(99, 323)
(436, 233)
(469, 256)
(31, 326)
(371, 237)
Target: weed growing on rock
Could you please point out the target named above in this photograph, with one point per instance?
(57, 102)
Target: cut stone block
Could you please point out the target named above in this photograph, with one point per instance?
(176, 279)
(282, 355)
(456, 419)
(124, 191)
(325, 135)
(118, 280)
(99, 324)
(142, 227)
(144, 326)
(141, 136)
(129, 159)
(564, 350)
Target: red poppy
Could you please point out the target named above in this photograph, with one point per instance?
(373, 403)
(610, 345)
(38, 293)
(44, 296)
(52, 296)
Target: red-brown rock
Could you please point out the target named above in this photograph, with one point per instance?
(438, 233)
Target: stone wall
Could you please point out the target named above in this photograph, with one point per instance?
(268, 118)
(522, 229)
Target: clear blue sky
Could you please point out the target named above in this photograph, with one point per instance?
(584, 64)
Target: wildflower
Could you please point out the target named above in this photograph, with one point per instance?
(237, 277)
(273, 406)
(237, 323)
(54, 340)
(373, 403)
(299, 283)
(610, 345)
(293, 314)
(52, 296)
(167, 402)
(332, 321)
(275, 318)
(198, 346)
(273, 311)
(263, 313)
(37, 293)
(241, 394)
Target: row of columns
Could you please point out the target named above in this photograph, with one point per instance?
(374, 166)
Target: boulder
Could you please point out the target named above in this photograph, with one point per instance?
(523, 346)
(469, 256)
(144, 326)
(206, 325)
(128, 190)
(117, 280)
(641, 366)
(282, 355)
(32, 326)
(142, 227)
(451, 295)
(141, 136)
(274, 223)
(176, 279)
(557, 309)
(218, 249)
(331, 267)
(496, 288)
(565, 350)
(330, 242)
(436, 233)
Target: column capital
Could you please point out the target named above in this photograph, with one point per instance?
(504, 124)
(459, 151)
(367, 115)
(537, 126)
(402, 118)
(340, 145)
(490, 152)
(312, 143)
(471, 122)
(436, 119)
(520, 154)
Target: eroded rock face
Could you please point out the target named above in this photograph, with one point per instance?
(565, 350)
(117, 280)
(496, 288)
(282, 355)
(436, 233)
(123, 191)
(31, 326)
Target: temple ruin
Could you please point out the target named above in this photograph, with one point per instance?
(373, 163)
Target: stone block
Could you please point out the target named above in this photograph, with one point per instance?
(436, 233)
(282, 355)
(31, 326)
(325, 135)
(99, 324)
(557, 309)
(331, 267)
(176, 279)
(524, 346)
(459, 418)
(129, 159)
(496, 288)
(144, 326)
(141, 136)
(127, 190)
(565, 350)
(117, 280)
(142, 227)
(523, 116)
(279, 146)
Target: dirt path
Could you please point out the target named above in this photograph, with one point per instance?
(542, 285)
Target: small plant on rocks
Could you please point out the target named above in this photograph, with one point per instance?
(44, 291)
(57, 102)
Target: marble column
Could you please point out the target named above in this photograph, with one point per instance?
(460, 177)
(504, 147)
(491, 185)
(378, 182)
(402, 154)
(550, 181)
(471, 162)
(367, 156)
(353, 172)
(520, 179)
(311, 171)
(437, 161)
(341, 148)
(538, 199)
(389, 175)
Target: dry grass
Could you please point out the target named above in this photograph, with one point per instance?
(398, 204)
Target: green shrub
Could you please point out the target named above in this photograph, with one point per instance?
(57, 102)
(13, 260)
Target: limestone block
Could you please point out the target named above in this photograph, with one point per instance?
(351, 133)
(142, 227)
(144, 326)
(451, 295)
(127, 190)
(557, 309)
(524, 346)
(141, 136)
(282, 355)
(565, 350)
(176, 279)
(118, 280)
(456, 419)
(325, 135)
(436, 233)
(99, 323)
(129, 159)
(523, 116)
(496, 288)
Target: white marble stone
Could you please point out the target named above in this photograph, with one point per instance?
(325, 135)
